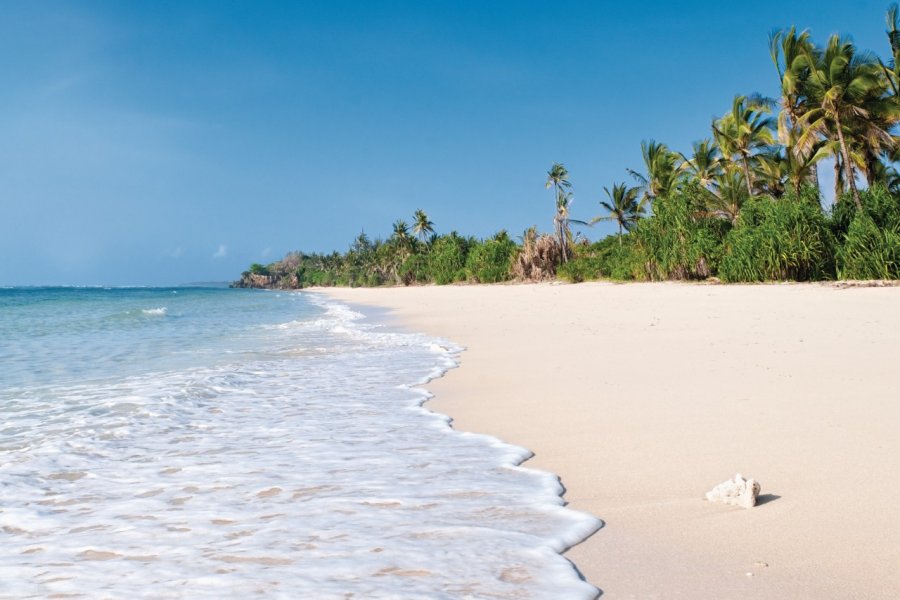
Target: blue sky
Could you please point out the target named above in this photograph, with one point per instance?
(169, 142)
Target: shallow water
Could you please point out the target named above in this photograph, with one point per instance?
(220, 443)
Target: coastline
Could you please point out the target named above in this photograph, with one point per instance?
(642, 397)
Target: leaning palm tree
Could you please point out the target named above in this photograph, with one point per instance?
(744, 132)
(558, 179)
(623, 207)
(842, 85)
(422, 227)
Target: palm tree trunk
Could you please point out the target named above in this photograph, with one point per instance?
(814, 177)
(620, 233)
(848, 168)
(870, 169)
(746, 164)
(838, 178)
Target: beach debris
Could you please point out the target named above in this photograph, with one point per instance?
(738, 491)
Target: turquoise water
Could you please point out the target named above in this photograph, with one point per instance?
(215, 443)
(52, 335)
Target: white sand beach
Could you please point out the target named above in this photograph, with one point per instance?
(642, 397)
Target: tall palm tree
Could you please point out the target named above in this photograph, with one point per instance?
(892, 71)
(558, 179)
(744, 132)
(791, 52)
(842, 84)
(422, 227)
(663, 172)
(623, 207)
(562, 220)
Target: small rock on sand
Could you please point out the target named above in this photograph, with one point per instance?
(737, 491)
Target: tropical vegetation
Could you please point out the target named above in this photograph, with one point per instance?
(744, 204)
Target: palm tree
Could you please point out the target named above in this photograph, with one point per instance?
(892, 72)
(842, 84)
(791, 53)
(801, 165)
(744, 132)
(562, 220)
(729, 192)
(422, 227)
(558, 179)
(705, 162)
(663, 172)
(770, 174)
(623, 207)
(401, 239)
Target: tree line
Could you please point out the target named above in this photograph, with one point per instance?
(744, 204)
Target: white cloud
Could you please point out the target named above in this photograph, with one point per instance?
(176, 253)
(266, 252)
(222, 252)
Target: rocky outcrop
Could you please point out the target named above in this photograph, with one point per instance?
(269, 282)
(738, 492)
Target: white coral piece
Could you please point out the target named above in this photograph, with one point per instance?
(737, 491)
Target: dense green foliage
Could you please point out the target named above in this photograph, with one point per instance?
(871, 238)
(677, 243)
(787, 239)
(490, 261)
(447, 259)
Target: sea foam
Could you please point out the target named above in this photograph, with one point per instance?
(314, 474)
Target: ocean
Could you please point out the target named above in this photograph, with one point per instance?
(217, 443)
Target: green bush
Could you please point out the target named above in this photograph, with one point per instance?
(611, 258)
(447, 259)
(870, 251)
(677, 242)
(869, 243)
(777, 240)
(258, 269)
(489, 261)
(414, 269)
(881, 206)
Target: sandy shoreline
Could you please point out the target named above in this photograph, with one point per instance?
(642, 397)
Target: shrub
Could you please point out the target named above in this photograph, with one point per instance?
(869, 251)
(616, 259)
(869, 243)
(447, 259)
(678, 242)
(414, 269)
(786, 239)
(490, 261)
